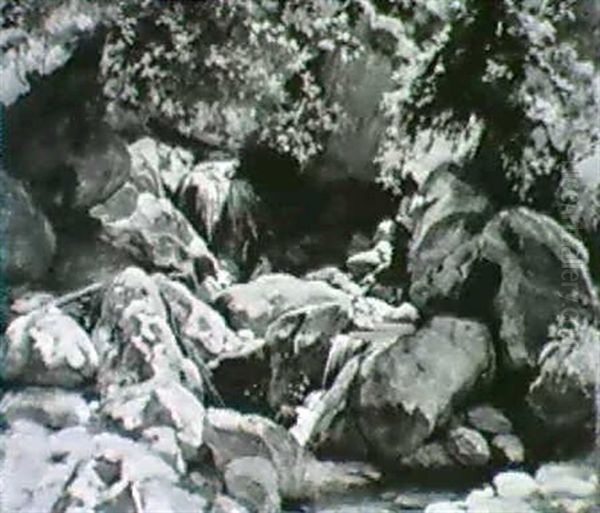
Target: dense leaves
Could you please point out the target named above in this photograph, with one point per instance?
(502, 85)
(220, 71)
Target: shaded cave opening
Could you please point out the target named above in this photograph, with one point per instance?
(310, 222)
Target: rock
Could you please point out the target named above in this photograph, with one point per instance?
(519, 266)
(476, 498)
(320, 409)
(52, 408)
(544, 272)
(444, 244)
(82, 258)
(163, 441)
(370, 312)
(445, 507)
(76, 469)
(257, 304)
(430, 457)
(203, 194)
(123, 466)
(29, 242)
(31, 301)
(160, 496)
(70, 156)
(367, 262)
(338, 478)
(126, 288)
(563, 479)
(488, 419)
(224, 209)
(509, 448)
(48, 348)
(134, 338)
(563, 395)
(198, 326)
(147, 162)
(574, 505)
(502, 504)
(468, 447)
(391, 294)
(382, 334)
(406, 390)
(138, 407)
(158, 168)
(231, 435)
(253, 481)
(384, 231)
(336, 278)
(26, 458)
(224, 504)
(102, 165)
(297, 341)
(411, 502)
(515, 485)
(343, 440)
(154, 232)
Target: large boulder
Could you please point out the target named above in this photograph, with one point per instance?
(83, 258)
(544, 273)
(406, 389)
(28, 240)
(444, 246)
(257, 304)
(199, 327)
(47, 347)
(518, 267)
(101, 166)
(154, 232)
(231, 435)
(134, 338)
(297, 342)
(564, 394)
(70, 155)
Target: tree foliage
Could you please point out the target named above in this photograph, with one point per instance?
(221, 70)
(499, 81)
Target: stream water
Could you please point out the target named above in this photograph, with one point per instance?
(386, 500)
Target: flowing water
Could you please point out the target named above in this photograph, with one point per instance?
(391, 500)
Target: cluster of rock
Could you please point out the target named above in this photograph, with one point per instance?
(567, 488)
(118, 418)
(125, 394)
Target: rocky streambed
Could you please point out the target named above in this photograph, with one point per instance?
(180, 389)
(206, 329)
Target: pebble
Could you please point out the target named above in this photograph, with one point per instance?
(516, 485)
